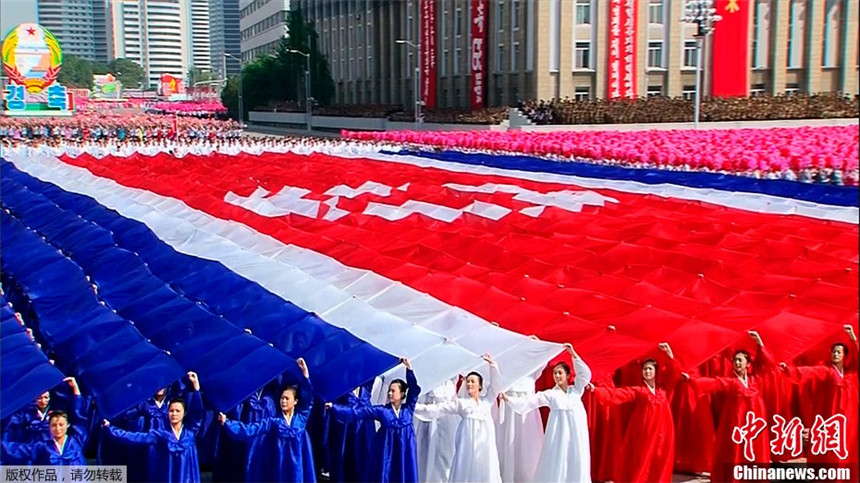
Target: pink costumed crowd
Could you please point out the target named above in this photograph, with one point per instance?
(808, 154)
(94, 126)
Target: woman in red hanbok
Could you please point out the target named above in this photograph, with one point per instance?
(828, 391)
(741, 394)
(648, 449)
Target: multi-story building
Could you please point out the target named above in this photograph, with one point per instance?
(153, 33)
(262, 25)
(80, 26)
(545, 49)
(200, 42)
(224, 34)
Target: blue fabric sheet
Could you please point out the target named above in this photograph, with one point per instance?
(25, 372)
(819, 193)
(234, 362)
(72, 322)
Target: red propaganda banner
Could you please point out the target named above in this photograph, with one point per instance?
(622, 49)
(428, 53)
(477, 52)
(171, 85)
(731, 52)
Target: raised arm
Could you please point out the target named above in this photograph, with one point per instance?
(583, 372)
(245, 432)
(429, 412)
(19, 453)
(305, 389)
(196, 411)
(495, 383)
(525, 404)
(348, 414)
(414, 389)
(131, 438)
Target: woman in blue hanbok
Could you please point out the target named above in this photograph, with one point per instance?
(175, 446)
(349, 444)
(393, 457)
(237, 460)
(287, 448)
(61, 448)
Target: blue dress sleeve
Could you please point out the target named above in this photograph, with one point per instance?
(132, 438)
(18, 453)
(347, 414)
(414, 389)
(196, 411)
(306, 397)
(247, 432)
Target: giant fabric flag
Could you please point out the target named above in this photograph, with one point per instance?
(441, 258)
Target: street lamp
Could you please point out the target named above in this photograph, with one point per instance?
(308, 97)
(417, 48)
(704, 15)
(241, 105)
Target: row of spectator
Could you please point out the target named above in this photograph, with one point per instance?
(678, 109)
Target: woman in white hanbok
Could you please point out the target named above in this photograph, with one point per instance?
(565, 456)
(476, 457)
(436, 438)
(519, 435)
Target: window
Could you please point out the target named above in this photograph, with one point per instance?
(689, 92)
(690, 53)
(582, 58)
(443, 63)
(756, 90)
(582, 93)
(792, 88)
(655, 12)
(654, 91)
(515, 57)
(515, 14)
(500, 15)
(796, 21)
(583, 12)
(458, 59)
(655, 55)
(458, 22)
(500, 58)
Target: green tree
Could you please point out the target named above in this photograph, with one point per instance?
(196, 75)
(302, 37)
(127, 71)
(280, 77)
(76, 72)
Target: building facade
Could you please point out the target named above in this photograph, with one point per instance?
(155, 34)
(545, 49)
(224, 34)
(200, 41)
(80, 26)
(262, 25)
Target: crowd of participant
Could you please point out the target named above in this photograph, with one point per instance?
(119, 127)
(659, 109)
(825, 155)
(194, 109)
(642, 423)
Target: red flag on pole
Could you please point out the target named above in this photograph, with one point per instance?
(730, 66)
